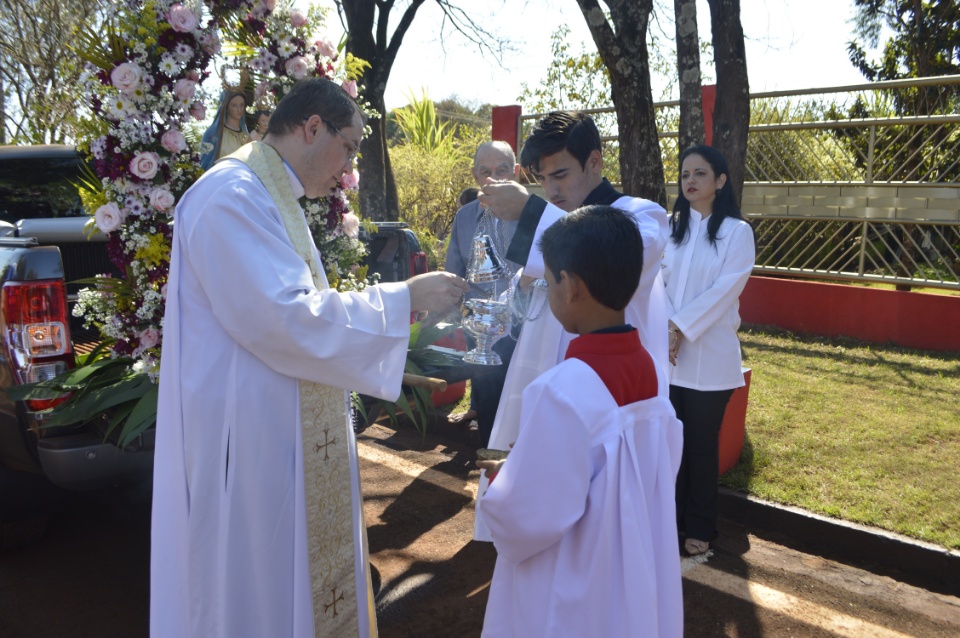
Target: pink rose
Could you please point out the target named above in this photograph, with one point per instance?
(325, 48)
(184, 89)
(145, 165)
(297, 19)
(162, 199)
(198, 111)
(149, 338)
(270, 4)
(126, 77)
(210, 42)
(174, 141)
(351, 88)
(108, 218)
(193, 74)
(351, 225)
(350, 181)
(297, 67)
(182, 19)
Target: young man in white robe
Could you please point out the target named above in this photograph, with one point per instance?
(564, 153)
(257, 525)
(582, 511)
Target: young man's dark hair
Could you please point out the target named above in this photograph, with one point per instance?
(316, 96)
(561, 131)
(600, 245)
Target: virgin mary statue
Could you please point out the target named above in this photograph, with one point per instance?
(228, 131)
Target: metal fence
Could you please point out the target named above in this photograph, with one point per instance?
(839, 186)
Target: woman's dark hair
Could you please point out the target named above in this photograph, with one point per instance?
(558, 131)
(602, 246)
(467, 195)
(724, 205)
(315, 96)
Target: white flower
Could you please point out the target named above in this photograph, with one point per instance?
(173, 141)
(182, 19)
(162, 199)
(297, 67)
(108, 217)
(145, 165)
(286, 47)
(149, 338)
(126, 77)
(168, 64)
(183, 52)
(326, 48)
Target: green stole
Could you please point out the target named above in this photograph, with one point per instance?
(326, 458)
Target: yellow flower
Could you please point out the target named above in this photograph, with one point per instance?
(156, 252)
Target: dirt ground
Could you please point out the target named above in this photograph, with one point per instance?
(436, 578)
(89, 576)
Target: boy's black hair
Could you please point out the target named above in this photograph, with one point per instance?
(601, 245)
(314, 96)
(558, 131)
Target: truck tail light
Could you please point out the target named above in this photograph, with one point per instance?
(418, 263)
(36, 333)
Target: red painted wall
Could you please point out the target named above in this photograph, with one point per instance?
(910, 319)
(505, 125)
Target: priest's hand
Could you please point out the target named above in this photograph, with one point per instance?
(503, 199)
(436, 291)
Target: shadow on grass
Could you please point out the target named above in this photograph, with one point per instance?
(846, 350)
(739, 477)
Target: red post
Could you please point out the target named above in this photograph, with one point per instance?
(506, 125)
(708, 97)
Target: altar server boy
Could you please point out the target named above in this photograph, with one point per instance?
(582, 511)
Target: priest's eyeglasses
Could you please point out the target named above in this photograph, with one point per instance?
(353, 149)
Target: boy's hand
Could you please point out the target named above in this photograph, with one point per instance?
(490, 467)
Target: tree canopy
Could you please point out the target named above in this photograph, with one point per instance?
(38, 72)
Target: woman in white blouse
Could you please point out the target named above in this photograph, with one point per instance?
(706, 264)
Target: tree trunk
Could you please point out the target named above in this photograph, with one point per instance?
(688, 70)
(368, 38)
(623, 48)
(731, 113)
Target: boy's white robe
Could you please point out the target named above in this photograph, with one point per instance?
(583, 516)
(543, 343)
(228, 539)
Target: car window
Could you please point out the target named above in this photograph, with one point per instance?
(39, 187)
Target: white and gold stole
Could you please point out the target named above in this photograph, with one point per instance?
(326, 457)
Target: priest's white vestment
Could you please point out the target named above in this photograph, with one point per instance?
(245, 322)
(583, 516)
(543, 341)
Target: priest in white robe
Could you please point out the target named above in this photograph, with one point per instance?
(257, 525)
(564, 154)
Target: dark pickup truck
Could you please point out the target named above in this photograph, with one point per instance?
(42, 251)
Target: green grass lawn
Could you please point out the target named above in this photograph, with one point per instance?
(857, 431)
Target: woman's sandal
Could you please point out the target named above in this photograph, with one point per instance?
(462, 417)
(695, 547)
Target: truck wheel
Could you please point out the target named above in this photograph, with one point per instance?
(26, 503)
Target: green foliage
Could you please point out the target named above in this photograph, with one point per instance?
(575, 80)
(925, 42)
(431, 166)
(38, 69)
(422, 128)
(105, 391)
(415, 402)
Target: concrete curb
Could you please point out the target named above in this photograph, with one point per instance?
(923, 565)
